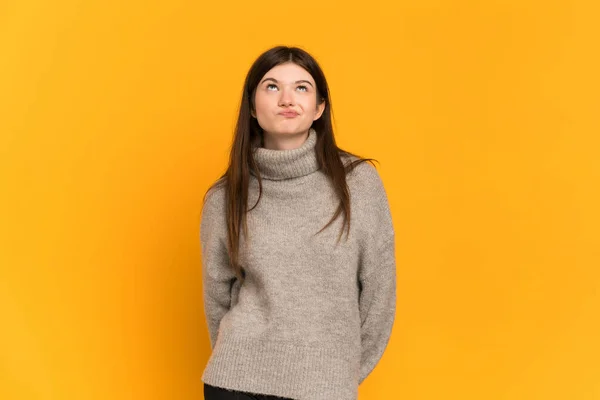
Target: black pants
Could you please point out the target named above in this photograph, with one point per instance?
(216, 393)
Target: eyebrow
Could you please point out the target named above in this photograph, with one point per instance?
(275, 80)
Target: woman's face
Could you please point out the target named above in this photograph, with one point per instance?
(286, 101)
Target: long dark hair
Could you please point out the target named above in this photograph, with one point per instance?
(247, 131)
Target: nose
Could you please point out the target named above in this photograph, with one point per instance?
(286, 99)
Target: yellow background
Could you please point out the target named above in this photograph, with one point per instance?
(115, 116)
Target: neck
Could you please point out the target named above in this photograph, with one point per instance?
(290, 163)
(285, 141)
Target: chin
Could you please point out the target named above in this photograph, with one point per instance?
(290, 131)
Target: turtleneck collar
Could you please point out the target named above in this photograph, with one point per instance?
(286, 164)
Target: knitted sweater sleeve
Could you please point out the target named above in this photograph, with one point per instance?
(376, 276)
(217, 275)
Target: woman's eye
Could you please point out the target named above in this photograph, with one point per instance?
(271, 87)
(302, 88)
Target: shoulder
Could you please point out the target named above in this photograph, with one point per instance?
(362, 175)
(214, 199)
(213, 221)
(369, 200)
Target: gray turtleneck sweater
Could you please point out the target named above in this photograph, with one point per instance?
(312, 317)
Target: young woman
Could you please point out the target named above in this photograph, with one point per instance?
(299, 274)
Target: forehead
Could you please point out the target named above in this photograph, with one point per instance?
(288, 72)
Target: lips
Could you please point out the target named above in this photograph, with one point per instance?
(289, 114)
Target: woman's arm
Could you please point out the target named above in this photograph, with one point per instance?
(217, 274)
(377, 304)
(377, 270)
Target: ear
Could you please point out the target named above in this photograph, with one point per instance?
(252, 112)
(320, 109)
